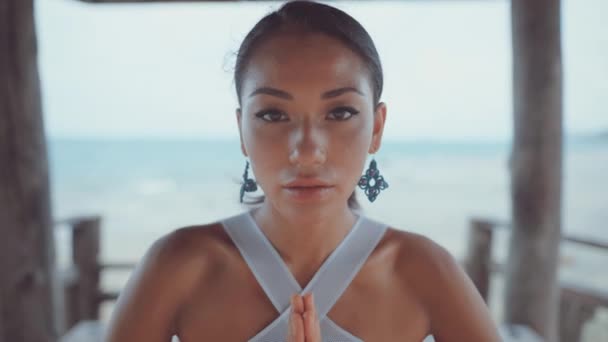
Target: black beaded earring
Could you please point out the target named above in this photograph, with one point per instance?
(372, 182)
(249, 184)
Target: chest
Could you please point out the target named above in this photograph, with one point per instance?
(234, 307)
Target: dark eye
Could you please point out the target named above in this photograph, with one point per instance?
(272, 115)
(342, 113)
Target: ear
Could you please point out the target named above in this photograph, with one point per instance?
(239, 123)
(379, 120)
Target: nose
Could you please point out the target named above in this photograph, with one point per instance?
(307, 146)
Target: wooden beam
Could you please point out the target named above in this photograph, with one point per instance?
(26, 236)
(118, 266)
(585, 295)
(532, 292)
(577, 240)
(157, 1)
(168, 1)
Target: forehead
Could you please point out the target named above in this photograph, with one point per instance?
(309, 60)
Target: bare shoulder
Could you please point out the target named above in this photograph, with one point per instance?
(419, 261)
(454, 307)
(189, 248)
(174, 266)
(186, 254)
(422, 259)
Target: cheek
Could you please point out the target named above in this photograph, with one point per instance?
(350, 147)
(355, 137)
(258, 135)
(265, 147)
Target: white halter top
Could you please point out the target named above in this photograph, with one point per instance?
(327, 285)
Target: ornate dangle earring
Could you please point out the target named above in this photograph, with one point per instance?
(249, 184)
(372, 182)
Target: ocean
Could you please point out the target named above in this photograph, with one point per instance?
(144, 189)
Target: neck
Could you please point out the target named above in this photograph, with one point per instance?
(304, 240)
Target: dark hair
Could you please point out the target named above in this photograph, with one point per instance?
(312, 17)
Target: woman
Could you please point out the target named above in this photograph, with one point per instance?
(304, 265)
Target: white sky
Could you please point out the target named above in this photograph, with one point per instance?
(164, 70)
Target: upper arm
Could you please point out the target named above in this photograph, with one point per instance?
(147, 307)
(456, 310)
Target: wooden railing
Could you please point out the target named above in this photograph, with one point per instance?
(82, 295)
(577, 303)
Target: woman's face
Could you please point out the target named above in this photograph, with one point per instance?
(307, 121)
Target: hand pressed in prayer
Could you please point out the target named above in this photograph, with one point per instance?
(303, 321)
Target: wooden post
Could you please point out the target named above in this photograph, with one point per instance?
(479, 256)
(71, 300)
(531, 294)
(2, 333)
(577, 306)
(26, 237)
(573, 316)
(82, 291)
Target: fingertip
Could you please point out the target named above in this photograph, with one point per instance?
(300, 303)
(310, 303)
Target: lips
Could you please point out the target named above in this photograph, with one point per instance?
(308, 190)
(307, 183)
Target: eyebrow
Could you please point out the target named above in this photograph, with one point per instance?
(287, 96)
